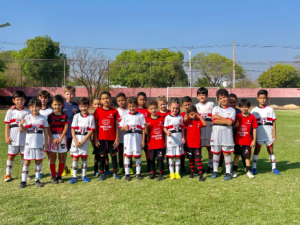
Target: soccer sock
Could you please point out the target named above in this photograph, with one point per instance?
(244, 161)
(127, 165)
(210, 163)
(75, 168)
(235, 168)
(114, 163)
(107, 162)
(216, 159)
(161, 166)
(9, 165)
(25, 173)
(182, 161)
(52, 169)
(192, 165)
(273, 161)
(254, 161)
(22, 163)
(37, 172)
(199, 166)
(148, 165)
(102, 163)
(247, 168)
(138, 162)
(61, 167)
(152, 166)
(228, 162)
(177, 165)
(221, 161)
(171, 165)
(96, 162)
(121, 163)
(41, 167)
(84, 167)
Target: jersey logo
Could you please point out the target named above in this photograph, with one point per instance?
(157, 131)
(74, 110)
(62, 146)
(176, 127)
(35, 129)
(82, 130)
(55, 147)
(62, 120)
(105, 122)
(243, 128)
(132, 127)
(263, 120)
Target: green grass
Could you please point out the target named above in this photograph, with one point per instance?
(267, 199)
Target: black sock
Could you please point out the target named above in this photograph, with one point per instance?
(106, 163)
(152, 166)
(102, 163)
(121, 163)
(114, 163)
(244, 161)
(161, 166)
(148, 165)
(248, 168)
(235, 168)
(182, 161)
(96, 162)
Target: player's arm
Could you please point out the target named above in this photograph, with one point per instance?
(168, 133)
(63, 133)
(96, 141)
(274, 130)
(74, 138)
(183, 136)
(228, 122)
(8, 140)
(116, 143)
(202, 120)
(46, 135)
(22, 128)
(144, 137)
(86, 137)
(254, 138)
(146, 125)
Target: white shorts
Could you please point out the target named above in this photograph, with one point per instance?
(61, 148)
(135, 153)
(175, 151)
(218, 148)
(268, 143)
(34, 154)
(205, 143)
(15, 150)
(78, 152)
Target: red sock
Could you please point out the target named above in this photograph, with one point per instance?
(52, 169)
(61, 167)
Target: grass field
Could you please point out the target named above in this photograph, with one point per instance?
(267, 199)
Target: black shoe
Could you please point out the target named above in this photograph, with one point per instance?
(201, 178)
(59, 180)
(160, 177)
(192, 175)
(54, 180)
(139, 177)
(152, 176)
(127, 177)
(22, 185)
(209, 170)
(183, 170)
(38, 184)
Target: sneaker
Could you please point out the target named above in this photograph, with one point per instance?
(85, 179)
(250, 175)
(96, 173)
(127, 177)
(120, 172)
(139, 177)
(234, 174)
(54, 180)
(116, 176)
(41, 175)
(131, 171)
(65, 172)
(38, 183)
(73, 180)
(28, 177)
(183, 170)
(107, 173)
(71, 171)
(254, 171)
(214, 175)
(201, 178)
(220, 169)
(151, 176)
(177, 175)
(192, 175)
(172, 176)
(7, 178)
(22, 185)
(227, 176)
(209, 170)
(160, 177)
(60, 180)
(275, 171)
(101, 177)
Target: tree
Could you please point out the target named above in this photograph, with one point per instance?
(282, 76)
(35, 63)
(5, 25)
(89, 70)
(246, 83)
(202, 82)
(216, 68)
(132, 69)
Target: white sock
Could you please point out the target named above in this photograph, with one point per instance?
(273, 161)
(216, 159)
(177, 165)
(138, 165)
(49, 164)
(9, 165)
(127, 166)
(25, 173)
(41, 167)
(75, 168)
(210, 163)
(37, 172)
(171, 165)
(228, 162)
(84, 167)
(254, 161)
(22, 162)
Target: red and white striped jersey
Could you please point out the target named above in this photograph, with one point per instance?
(174, 124)
(122, 112)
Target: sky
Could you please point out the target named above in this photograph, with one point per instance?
(140, 24)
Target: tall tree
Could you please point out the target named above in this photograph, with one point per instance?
(163, 68)
(5, 25)
(216, 68)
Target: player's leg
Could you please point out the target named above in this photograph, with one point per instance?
(121, 157)
(84, 168)
(103, 150)
(53, 156)
(75, 169)
(191, 158)
(177, 167)
(25, 172)
(107, 172)
(210, 160)
(113, 152)
(237, 154)
(221, 162)
(69, 143)
(272, 158)
(38, 166)
(9, 165)
(255, 157)
(244, 163)
(138, 162)
(160, 159)
(216, 150)
(61, 166)
(96, 164)
(128, 159)
(198, 157)
(147, 157)
(170, 153)
(152, 154)
(21, 149)
(182, 161)
(228, 164)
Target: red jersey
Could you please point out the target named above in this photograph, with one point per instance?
(144, 111)
(244, 130)
(57, 122)
(193, 128)
(160, 114)
(106, 123)
(156, 137)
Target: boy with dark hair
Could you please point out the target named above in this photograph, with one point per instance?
(266, 131)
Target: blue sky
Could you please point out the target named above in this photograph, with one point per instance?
(157, 24)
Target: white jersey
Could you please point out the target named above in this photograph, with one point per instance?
(46, 112)
(134, 136)
(222, 134)
(122, 112)
(82, 126)
(265, 117)
(174, 124)
(13, 118)
(35, 126)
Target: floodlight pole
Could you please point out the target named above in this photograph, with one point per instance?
(233, 68)
(190, 66)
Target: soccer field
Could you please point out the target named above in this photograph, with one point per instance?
(267, 199)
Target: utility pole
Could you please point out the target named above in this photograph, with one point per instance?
(233, 72)
(107, 75)
(190, 66)
(64, 72)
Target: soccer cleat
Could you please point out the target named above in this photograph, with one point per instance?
(127, 177)
(85, 179)
(139, 177)
(101, 177)
(41, 175)
(151, 176)
(250, 175)
(172, 176)
(227, 176)
(59, 180)
(220, 169)
(160, 177)
(107, 173)
(275, 171)
(22, 185)
(254, 171)
(177, 176)
(7, 178)
(214, 175)
(65, 172)
(71, 171)
(73, 180)
(38, 183)
(131, 171)
(209, 170)
(28, 177)
(120, 172)
(234, 174)
(192, 175)
(201, 178)
(96, 173)
(54, 180)
(116, 176)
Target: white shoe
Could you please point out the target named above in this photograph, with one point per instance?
(250, 175)
(234, 174)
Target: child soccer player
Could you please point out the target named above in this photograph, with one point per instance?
(107, 133)
(162, 106)
(58, 123)
(36, 127)
(133, 124)
(173, 127)
(222, 136)
(246, 125)
(13, 136)
(70, 108)
(266, 131)
(193, 152)
(204, 108)
(154, 128)
(83, 126)
(122, 103)
(142, 100)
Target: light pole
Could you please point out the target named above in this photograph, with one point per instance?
(190, 66)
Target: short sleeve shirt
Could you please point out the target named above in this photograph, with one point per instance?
(193, 128)
(156, 137)
(174, 124)
(244, 130)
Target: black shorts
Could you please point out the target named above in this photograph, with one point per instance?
(105, 148)
(69, 143)
(157, 153)
(243, 150)
(193, 153)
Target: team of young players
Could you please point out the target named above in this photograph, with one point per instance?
(222, 129)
